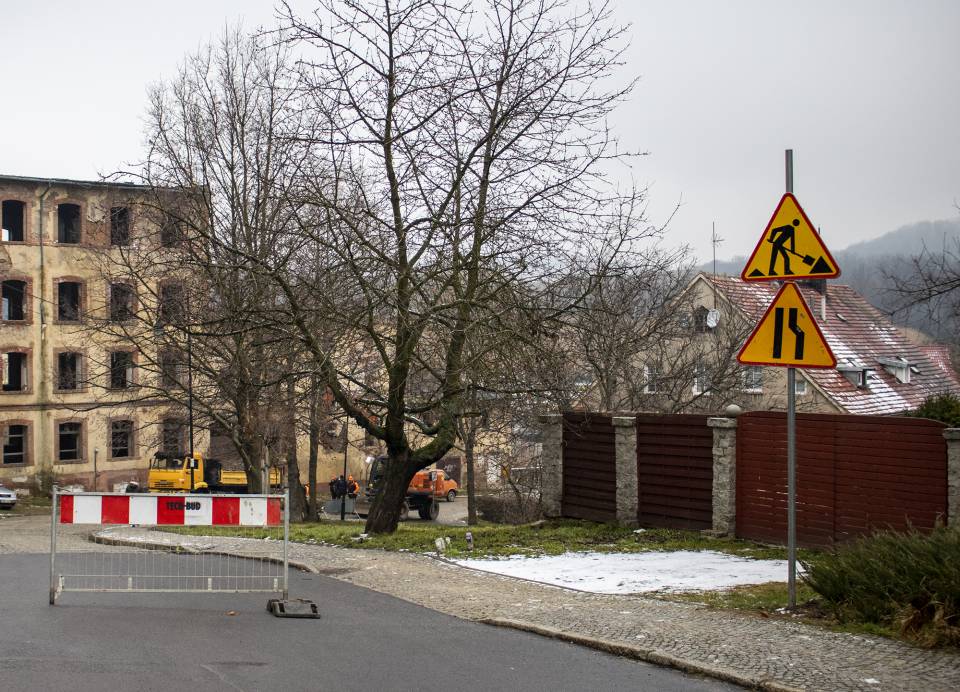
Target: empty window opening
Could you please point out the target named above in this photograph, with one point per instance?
(68, 223)
(15, 445)
(173, 437)
(171, 303)
(121, 439)
(69, 438)
(121, 302)
(171, 231)
(171, 368)
(68, 371)
(121, 370)
(119, 226)
(14, 300)
(14, 372)
(12, 218)
(68, 301)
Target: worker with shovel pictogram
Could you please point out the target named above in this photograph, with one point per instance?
(780, 236)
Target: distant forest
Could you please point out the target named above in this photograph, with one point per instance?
(868, 266)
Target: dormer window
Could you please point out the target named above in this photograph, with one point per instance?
(899, 367)
(856, 375)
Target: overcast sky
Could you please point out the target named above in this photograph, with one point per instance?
(866, 93)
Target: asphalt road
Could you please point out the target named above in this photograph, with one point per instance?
(364, 641)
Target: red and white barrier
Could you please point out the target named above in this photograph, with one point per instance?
(170, 510)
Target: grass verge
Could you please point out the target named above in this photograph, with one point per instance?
(499, 540)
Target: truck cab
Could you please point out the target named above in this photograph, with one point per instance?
(185, 474)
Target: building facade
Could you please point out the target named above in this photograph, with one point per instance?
(69, 409)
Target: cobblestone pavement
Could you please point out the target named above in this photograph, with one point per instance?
(767, 653)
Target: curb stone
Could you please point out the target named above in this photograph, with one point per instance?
(647, 655)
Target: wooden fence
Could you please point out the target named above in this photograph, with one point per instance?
(674, 471)
(855, 474)
(589, 467)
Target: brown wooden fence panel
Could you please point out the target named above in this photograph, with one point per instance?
(589, 467)
(855, 474)
(674, 471)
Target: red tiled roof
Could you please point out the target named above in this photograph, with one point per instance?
(860, 336)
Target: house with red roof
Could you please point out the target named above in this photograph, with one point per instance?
(880, 371)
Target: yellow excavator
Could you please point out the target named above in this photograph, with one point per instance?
(175, 474)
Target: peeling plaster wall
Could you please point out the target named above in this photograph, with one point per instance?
(41, 407)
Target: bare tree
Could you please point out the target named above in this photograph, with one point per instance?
(464, 160)
(222, 159)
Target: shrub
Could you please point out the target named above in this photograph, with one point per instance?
(506, 508)
(906, 581)
(45, 479)
(944, 408)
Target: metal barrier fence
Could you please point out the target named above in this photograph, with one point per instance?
(200, 569)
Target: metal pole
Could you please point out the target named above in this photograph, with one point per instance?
(96, 451)
(346, 445)
(791, 452)
(286, 540)
(53, 546)
(190, 386)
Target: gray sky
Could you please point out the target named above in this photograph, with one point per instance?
(866, 93)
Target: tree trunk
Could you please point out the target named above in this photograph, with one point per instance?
(385, 510)
(468, 453)
(314, 452)
(298, 495)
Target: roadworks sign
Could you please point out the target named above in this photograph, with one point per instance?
(790, 248)
(788, 335)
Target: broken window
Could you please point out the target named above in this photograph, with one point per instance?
(119, 226)
(171, 303)
(11, 216)
(14, 372)
(173, 437)
(121, 439)
(121, 302)
(68, 223)
(121, 369)
(171, 368)
(171, 231)
(68, 371)
(68, 301)
(15, 445)
(14, 300)
(69, 441)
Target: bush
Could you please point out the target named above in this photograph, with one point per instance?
(507, 509)
(944, 408)
(908, 582)
(45, 479)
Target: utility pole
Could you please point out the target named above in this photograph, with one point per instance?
(346, 446)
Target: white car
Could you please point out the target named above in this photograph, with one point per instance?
(8, 498)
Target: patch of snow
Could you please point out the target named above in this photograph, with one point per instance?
(671, 572)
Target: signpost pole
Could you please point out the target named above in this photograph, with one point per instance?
(791, 451)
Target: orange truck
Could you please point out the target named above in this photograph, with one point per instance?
(443, 486)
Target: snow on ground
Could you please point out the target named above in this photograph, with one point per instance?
(678, 571)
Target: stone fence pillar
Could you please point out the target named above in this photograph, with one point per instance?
(551, 464)
(952, 436)
(724, 476)
(625, 446)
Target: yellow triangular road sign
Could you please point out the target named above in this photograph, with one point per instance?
(787, 335)
(790, 248)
